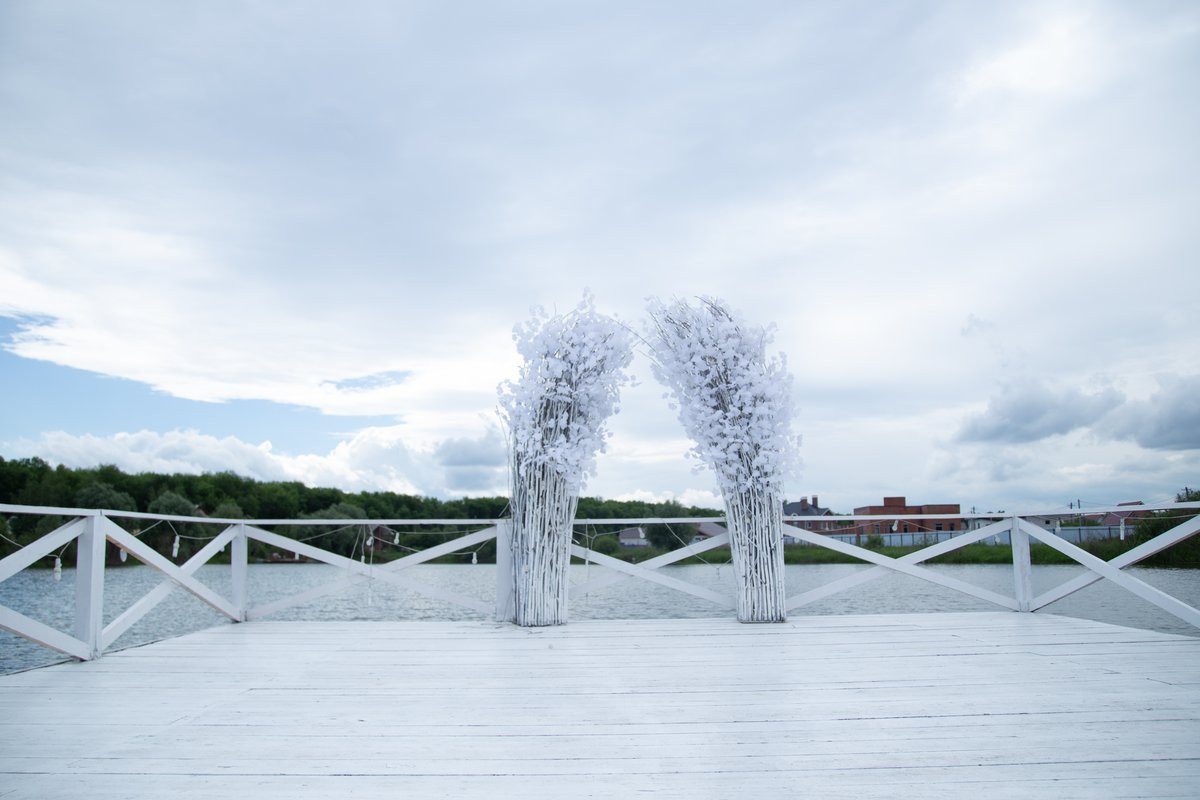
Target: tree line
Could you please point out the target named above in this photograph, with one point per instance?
(226, 495)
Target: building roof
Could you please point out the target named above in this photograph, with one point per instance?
(805, 508)
(630, 534)
(1117, 517)
(707, 530)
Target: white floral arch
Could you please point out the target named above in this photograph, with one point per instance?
(732, 400)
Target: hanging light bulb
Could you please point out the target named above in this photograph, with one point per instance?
(296, 556)
(57, 568)
(396, 539)
(362, 558)
(371, 541)
(124, 555)
(474, 557)
(175, 547)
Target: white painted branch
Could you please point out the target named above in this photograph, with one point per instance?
(736, 405)
(555, 414)
(756, 546)
(543, 508)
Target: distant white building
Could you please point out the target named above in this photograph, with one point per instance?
(632, 537)
(707, 530)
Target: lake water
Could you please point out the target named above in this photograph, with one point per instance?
(35, 593)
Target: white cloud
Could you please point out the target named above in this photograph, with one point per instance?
(700, 498)
(147, 451)
(1062, 55)
(281, 207)
(374, 459)
(1028, 411)
(1168, 420)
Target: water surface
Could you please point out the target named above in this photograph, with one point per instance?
(35, 593)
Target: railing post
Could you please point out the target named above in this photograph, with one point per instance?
(1022, 568)
(238, 559)
(89, 585)
(504, 573)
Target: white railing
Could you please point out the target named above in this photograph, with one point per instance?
(92, 529)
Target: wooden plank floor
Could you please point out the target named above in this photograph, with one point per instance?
(991, 705)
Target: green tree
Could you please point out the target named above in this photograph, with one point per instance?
(341, 539)
(278, 501)
(608, 545)
(228, 509)
(1183, 554)
(102, 495)
(163, 535)
(172, 503)
(670, 536)
(15, 475)
(7, 538)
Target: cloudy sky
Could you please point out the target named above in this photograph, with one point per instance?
(292, 239)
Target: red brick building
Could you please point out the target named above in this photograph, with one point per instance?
(899, 506)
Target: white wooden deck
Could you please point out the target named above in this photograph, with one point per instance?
(956, 705)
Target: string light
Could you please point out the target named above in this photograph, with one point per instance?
(396, 540)
(123, 555)
(474, 557)
(175, 547)
(57, 568)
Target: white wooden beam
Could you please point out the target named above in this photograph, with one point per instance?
(1128, 558)
(1166, 602)
(609, 578)
(342, 581)
(904, 567)
(1022, 566)
(29, 554)
(874, 573)
(152, 558)
(443, 549)
(31, 629)
(239, 557)
(381, 572)
(89, 584)
(637, 571)
(505, 609)
(129, 617)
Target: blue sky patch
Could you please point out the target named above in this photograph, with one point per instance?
(39, 397)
